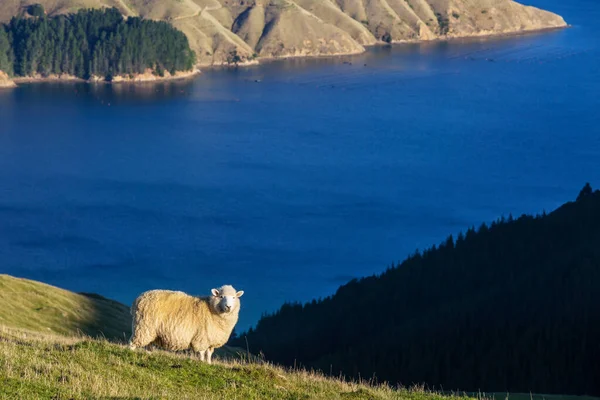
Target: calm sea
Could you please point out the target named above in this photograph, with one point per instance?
(288, 179)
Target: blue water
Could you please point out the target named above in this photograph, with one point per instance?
(291, 186)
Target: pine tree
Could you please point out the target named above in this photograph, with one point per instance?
(5, 53)
(92, 42)
(514, 306)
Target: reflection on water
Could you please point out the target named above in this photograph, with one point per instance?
(103, 93)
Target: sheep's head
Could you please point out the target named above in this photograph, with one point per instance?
(225, 299)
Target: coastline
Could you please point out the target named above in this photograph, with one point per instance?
(7, 84)
(484, 34)
(448, 38)
(146, 77)
(149, 77)
(50, 78)
(5, 81)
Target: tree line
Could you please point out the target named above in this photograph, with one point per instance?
(513, 306)
(91, 43)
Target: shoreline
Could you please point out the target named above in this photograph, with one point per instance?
(456, 38)
(5, 81)
(137, 79)
(502, 34)
(149, 77)
(34, 79)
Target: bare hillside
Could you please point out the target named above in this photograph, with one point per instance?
(287, 28)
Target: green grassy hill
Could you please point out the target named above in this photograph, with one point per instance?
(37, 366)
(44, 354)
(38, 307)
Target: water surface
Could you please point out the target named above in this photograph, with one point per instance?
(291, 178)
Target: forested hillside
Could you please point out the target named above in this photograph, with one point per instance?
(91, 43)
(514, 306)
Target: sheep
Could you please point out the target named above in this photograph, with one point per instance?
(177, 321)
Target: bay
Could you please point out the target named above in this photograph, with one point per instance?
(290, 178)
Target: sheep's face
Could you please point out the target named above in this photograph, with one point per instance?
(226, 299)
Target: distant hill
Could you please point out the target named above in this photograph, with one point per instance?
(514, 306)
(221, 30)
(35, 306)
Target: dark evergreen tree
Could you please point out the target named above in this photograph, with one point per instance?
(93, 43)
(514, 306)
(5, 52)
(36, 10)
(586, 191)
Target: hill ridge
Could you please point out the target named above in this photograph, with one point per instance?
(296, 28)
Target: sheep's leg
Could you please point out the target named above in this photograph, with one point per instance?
(201, 350)
(209, 354)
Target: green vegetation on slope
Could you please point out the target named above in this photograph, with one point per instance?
(38, 307)
(90, 43)
(5, 52)
(514, 306)
(44, 367)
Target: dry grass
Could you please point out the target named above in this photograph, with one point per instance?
(312, 27)
(36, 365)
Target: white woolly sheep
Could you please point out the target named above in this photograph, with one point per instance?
(178, 321)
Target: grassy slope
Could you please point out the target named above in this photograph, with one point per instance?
(39, 307)
(43, 354)
(35, 362)
(43, 366)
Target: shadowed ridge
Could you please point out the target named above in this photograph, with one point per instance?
(250, 25)
(332, 14)
(513, 306)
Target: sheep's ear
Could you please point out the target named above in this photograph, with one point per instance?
(239, 294)
(215, 292)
